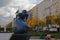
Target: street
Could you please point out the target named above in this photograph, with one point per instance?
(6, 36)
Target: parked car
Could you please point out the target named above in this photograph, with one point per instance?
(53, 29)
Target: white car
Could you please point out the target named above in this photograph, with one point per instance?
(53, 29)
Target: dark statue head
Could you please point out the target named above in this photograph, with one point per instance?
(22, 15)
(24, 11)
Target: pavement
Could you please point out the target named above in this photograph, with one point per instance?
(6, 36)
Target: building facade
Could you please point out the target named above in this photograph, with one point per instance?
(33, 13)
(45, 8)
(48, 7)
(30, 14)
(33, 16)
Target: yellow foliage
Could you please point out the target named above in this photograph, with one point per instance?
(52, 18)
(9, 25)
(42, 23)
(32, 22)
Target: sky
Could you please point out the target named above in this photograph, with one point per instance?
(9, 7)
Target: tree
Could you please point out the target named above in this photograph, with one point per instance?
(52, 18)
(9, 25)
(48, 20)
(0, 26)
(42, 23)
(32, 22)
(58, 21)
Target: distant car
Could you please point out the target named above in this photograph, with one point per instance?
(45, 28)
(53, 29)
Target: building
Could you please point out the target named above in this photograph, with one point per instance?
(33, 16)
(45, 8)
(30, 14)
(33, 13)
(48, 7)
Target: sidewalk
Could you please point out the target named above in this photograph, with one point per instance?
(6, 36)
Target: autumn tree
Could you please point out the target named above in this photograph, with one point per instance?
(58, 21)
(9, 25)
(0, 26)
(48, 20)
(32, 22)
(42, 23)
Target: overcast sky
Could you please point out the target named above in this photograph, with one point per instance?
(9, 7)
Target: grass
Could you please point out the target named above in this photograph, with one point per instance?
(55, 34)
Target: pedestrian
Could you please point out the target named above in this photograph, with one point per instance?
(53, 38)
(48, 37)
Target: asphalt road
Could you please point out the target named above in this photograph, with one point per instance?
(6, 36)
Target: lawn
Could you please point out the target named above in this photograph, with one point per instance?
(55, 34)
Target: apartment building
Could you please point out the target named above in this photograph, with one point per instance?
(48, 7)
(33, 13)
